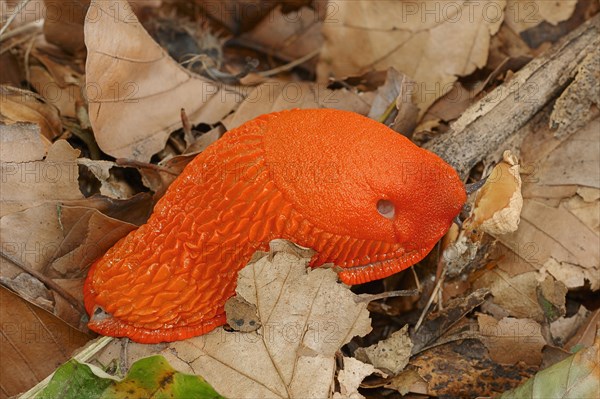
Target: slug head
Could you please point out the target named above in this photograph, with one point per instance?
(352, 176)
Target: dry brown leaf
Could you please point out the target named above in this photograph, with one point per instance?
(525, 14)
(278, 95)
(33, 343)
(395, 91)
(63, 24)
(47, 249)
(26, 184)
(109, 185)
(306, 316)
(424, 40)
(522, 296)
(289, 36)
(136, 91)
(586, 333)
(552, 236)
(408, 381)
(64, 96)
(391, 354)
(585, 210)
(512, 340)
(25, 106)
(21, 142)
(574, 162)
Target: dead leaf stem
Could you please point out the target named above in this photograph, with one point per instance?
(12, 17)
(144, 165)
(290, 65)
(384, 295)
(430, 301)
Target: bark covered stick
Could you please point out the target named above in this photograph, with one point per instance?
(494, 119)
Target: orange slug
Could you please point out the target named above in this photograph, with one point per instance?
(361, 195)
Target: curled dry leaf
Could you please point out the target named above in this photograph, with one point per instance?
(109, 186)
(422, 44)
(396, 91)
(135, 90)
(497, 211)
(499, 202)
(25, 106)
(305, 317)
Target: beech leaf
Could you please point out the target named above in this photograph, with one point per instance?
(135, 90)
(305, 317)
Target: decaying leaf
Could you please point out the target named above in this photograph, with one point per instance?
(578, 376)
(419, 38)
(305, 317)
(512, 340)
(464, 369)
(439, 323)
(135, 90)
(391, 354)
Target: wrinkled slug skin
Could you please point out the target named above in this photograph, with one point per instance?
(310, 176)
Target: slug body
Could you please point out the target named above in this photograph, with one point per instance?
(362, 196)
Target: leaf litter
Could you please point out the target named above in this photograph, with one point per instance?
(529, 270)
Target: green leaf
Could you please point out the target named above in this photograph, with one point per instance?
(74, 380)
(151, 377)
